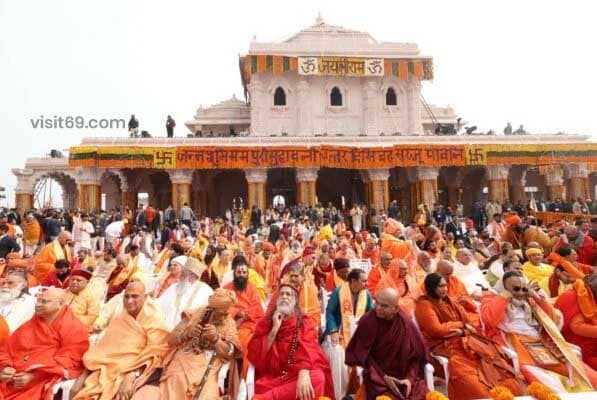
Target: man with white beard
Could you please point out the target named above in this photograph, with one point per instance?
(17, 306)
(467, 270)
(187, 294)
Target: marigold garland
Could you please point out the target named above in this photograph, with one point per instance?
(324, 398)
(501, 393)
(541, 392)
(383, 398)
(435, 395)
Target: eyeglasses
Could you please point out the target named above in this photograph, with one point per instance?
(518, 289)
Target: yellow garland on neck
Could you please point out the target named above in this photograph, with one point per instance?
(541, 392)
(501, 393)
(434, 395)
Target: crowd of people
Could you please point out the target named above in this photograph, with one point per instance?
(295, 303)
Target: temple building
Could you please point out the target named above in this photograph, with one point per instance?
(330, 115)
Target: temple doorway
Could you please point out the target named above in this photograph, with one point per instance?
(341, 187)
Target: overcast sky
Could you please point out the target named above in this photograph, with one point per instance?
(528, 62)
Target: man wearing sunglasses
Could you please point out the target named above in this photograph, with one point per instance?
(521, 318)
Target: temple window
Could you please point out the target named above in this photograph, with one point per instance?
(391, 97)
(335, 97)
(279, 97)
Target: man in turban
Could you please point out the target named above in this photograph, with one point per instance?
(520, 234)
(204, 340)
(189, 293)
(83, 303)
(289, 363)
(534, 269)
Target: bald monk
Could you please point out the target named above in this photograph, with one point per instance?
(378, 272)
(131, 349)
(287, 334)
(186, 363)
(389, 348)
(43, 351)
(579, 309)
(248, 310)
(58, 249)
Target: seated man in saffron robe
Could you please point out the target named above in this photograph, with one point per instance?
(44, 351)
(579, 308)
(58, 249)
(133, 346)
(389, 348)
(348, 303)
(289, 363)
(248, 310)
(200, 336)
(524, 320)
(447, 327)
(83, 303)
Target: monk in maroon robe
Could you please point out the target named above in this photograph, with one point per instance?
(389, 348)
(289, 363)
(43, 351)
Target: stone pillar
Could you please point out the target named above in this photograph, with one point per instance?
(256, 91)
(423, 187)
(181, 188)
(370, 109)
(303, 114)
(413, 95)
(305, 186)
(497, 182)
(577, 181)
(379, 188)
(24, 190)
(554, 183)
(90, 191)
(517, 187)
(129, 199)
(256, 179)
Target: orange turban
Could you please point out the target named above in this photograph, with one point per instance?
(222, 299)
(13, 260)
(391, 226)
(513, 220)
(557, 260)
(267, 246)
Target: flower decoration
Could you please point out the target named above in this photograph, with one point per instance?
(541, 392)
(501, 393)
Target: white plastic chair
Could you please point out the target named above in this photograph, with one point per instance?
(65, 386)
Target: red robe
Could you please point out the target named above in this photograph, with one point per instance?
(394, 348)
(52, 280)
(52, 352)
(269, 365)
(575, 324)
